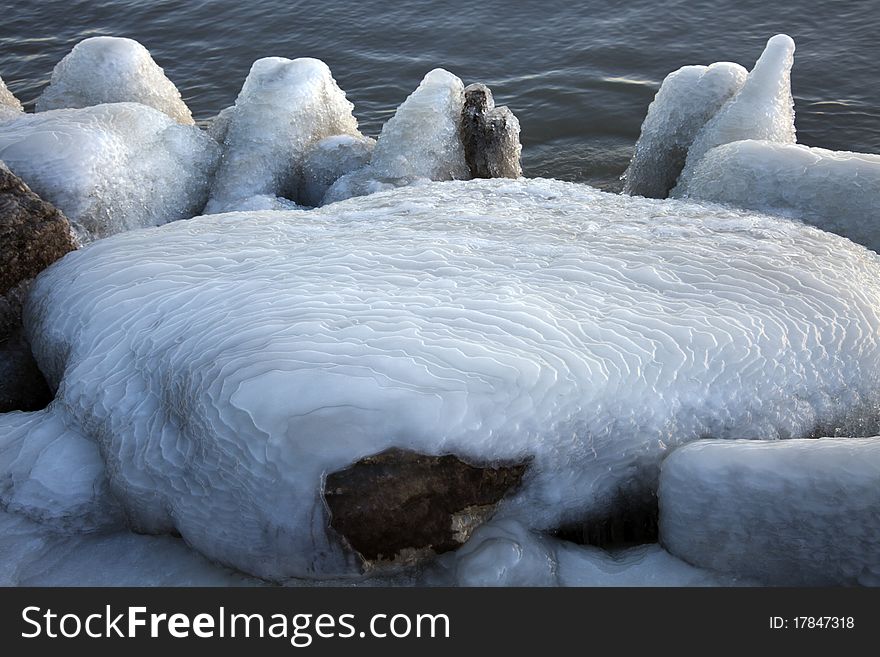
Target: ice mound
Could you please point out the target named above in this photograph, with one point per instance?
(797, 512)
(505, 553)
(837, 191)
(283, 108)
(113, 167)
(223, 365)
(687, 99)
(112, 70)
(10, 106)
(330, 159)
(762, 109)
(419, 143)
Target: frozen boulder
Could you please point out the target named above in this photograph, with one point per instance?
(792, 513)
(687, 99)
(420, 143)
(112, 70)
(111, 168)
(224, 365)
(283, 108)
(33, 235)
(490, 136)
(10, 107)
(330, 159)
(762, 109)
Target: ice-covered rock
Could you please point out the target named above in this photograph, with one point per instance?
(108, 69)
(10, 106)
(794, 512)
(283, 108)
(762, 109)
(420, 143)
(505, 553)
(687, 99)
(223, 365)
(113, 167)
(837, 191)
(490, 136)
(330, 159)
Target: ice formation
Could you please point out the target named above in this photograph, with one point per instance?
(419, 143)
(330, 159)
(283, 108)
(762, 109)
(222, 365)
(111, 167)
(795, 512)
(837, 191)
(505, 553)
(10, 106)
(112, 70)
(687, 99)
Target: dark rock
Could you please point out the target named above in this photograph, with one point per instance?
(400, 504)
(490, 136)
(629, 521)
(33, 235)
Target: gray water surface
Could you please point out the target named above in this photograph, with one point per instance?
(579, 75)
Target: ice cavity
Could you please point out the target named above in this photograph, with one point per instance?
(112, 70)
(837, 191)
(687, 99)
(797, 512)
(113, 167)
(284, 107)
(330, 159)
(762, 109)
(10, 107)
(223, 365)
(506, 553)
(419, 143)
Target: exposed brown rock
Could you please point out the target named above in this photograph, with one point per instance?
(400, 503)
(490, 135)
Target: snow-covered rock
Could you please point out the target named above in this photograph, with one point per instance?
(330, 159)
(837, 191)
(112, 70)
(419, 143)
(762, 109)
(223, 365)
(687, 99)
(10, 106)
(113, 167)
(283, 108)
(794, 512)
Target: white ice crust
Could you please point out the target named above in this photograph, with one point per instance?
(112, 70)
(762, 109)
(687, 99)
(10, 106)
(796, 512)
(284, 107)
(113, 167)
(837, 191)
(330, 159)
(225, 364)
(419, 143)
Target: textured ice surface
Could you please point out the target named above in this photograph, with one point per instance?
(419, 143)
(113, 167)
(283, 108)
(762, 109)
(10, 106)
(505, 553)
(330, 159)
(837, 191)
(687, 99)
(112, 70)
(223, 364)
(796, 512)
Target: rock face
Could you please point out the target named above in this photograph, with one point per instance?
(490, 135)
(400, 502)
(33, 235)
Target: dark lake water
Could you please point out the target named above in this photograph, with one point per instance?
(579, 75)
